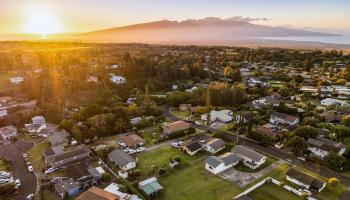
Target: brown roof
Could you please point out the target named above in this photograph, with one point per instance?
(130, 139)
(176, 126)
(95, 193)
(268, 129)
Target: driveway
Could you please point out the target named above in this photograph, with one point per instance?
(14, 151)
(244, 178)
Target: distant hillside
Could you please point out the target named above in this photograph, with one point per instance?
(211, 30)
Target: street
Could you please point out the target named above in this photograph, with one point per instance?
(14, 152)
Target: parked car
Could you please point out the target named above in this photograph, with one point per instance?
(3, 181)
(28, 163)
(140, 149)
(30, 197)
(30, 168)
(51, 170)
(25, 155)
(18, 182)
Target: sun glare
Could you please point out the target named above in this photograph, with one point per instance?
(42, 22)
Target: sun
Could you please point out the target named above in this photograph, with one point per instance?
(43, 22)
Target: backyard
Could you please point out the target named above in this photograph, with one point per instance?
(196, 183)
(272, 192)
(35, 155)
(180, 114)
(160, 158)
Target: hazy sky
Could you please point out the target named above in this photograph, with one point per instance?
(88, 15)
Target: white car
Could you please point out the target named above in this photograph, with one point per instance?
(28, 163)
(30, 168)
(141, 149)
(18, 182)
(25, 155)
(30, 197)
(51, 170)
(175, 144)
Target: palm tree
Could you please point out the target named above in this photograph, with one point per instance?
(120, 125)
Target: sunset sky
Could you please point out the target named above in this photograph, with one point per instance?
(20, 16)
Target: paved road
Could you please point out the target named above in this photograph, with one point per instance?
(268, 150)
(14, 151)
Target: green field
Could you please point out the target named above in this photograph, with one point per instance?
(180, 114)
(272, 192)
(160, 158)
(196, 183)
(35, 155)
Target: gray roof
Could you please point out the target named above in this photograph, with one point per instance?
(120, 158)
(66, 185)
(8, 130)
(216, 143)
(213, 161)
(247, 152)
(57, 138)
(229, 158)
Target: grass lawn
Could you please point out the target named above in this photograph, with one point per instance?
(196, 183)
(347, 142)
(160, 158)
(272, 192)
(4, 166)
(331, 193)
(110, 141)
(180, 114)
(47, 194)
(35, 155)
(150, 137)
(243, 168)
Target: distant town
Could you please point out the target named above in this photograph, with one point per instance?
(135, 121)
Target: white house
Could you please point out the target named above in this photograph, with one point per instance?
(265, 101)
(16, 79)
(8, 132)
(38, 120)
(304, 180)
(224, 116)
(331, 101)
(219, 164)
(117, 79)
(251, 158)
(214, 145)
(321, 147)
(281, 118)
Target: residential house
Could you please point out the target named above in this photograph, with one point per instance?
(332, 116)
(115, 189)
(223, 116)
(130, 140)
(38, 124)
(321, 147)
(304, 180)
(86, 175)
(309, 89)
(215, 145)
(250, 158)
(150, 187)
(121, 159)
(335, 102)
(175, 127)
(269, 130)
(185, 107)
(8, 132)
(282, 118)
(192, 148)
(325, 91)
(59, 138)
(117, 79)
(95, 193)
(67, 188)
(253, 81)
(59, 157)
(221, 163)
(266, 101)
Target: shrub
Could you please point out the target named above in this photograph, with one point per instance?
(106, 177)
